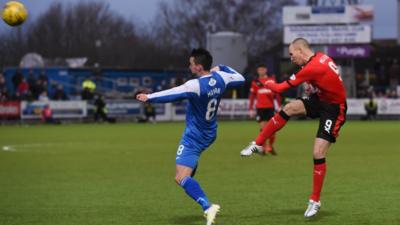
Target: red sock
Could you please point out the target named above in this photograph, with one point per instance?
(273, 125)
(318, 178)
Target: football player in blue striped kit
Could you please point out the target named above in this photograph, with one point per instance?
(203, 95)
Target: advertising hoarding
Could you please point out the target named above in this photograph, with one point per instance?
(303, 15)
(329, 34)
(349, 51)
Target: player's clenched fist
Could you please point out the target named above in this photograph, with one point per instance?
(141, 97)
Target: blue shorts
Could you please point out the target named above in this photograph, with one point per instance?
(188, 153)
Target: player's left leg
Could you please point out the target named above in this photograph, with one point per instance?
(320, 150)
(191, 186)
(186, 164)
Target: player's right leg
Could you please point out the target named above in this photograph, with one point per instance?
(332, 118)
(279, 120)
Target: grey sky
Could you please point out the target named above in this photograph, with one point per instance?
(142, 9)
(139, 10)
(385, 21)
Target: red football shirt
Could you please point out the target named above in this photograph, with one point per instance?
(264, 96)
(322, 73)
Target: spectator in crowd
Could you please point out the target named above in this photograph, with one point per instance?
(16, 79)
(3, 89)
(371, 108)
(149, 112)
(392, 93)
(38, 88)
(47, 115)
(59, 93)
(380, 72)
(23, 89)
(3, 84)
(394, 75)
(88, 89)
(44, 96)
(100, 111)
(4, 95)
(43, 77)
(31, 80)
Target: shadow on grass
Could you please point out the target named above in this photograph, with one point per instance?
(320, 216)
(297, 212)
(188, 219)
(199, 219)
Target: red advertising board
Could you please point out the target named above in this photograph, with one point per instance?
(10, 109)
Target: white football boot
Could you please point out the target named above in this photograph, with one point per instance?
(252, 148)
(312, 209)
(211, 213)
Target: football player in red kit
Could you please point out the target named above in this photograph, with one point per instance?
(328, 103)
(266, 103)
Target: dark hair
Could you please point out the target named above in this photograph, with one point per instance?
(261, 65)
(202, 57)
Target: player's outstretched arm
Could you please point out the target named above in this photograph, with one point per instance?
(184, 91)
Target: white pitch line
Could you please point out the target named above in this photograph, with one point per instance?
(13, 148)
(8, 148)
(37, 146)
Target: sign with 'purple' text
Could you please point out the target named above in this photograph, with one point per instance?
(349, 51)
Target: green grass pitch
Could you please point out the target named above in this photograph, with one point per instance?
(122, 174)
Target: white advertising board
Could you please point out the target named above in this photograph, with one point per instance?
(303, 15)
(61, 109)
(329, 34)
